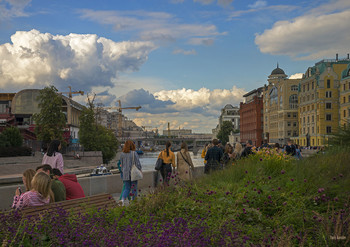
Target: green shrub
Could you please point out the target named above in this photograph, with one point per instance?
(11, 137)
(15, 151)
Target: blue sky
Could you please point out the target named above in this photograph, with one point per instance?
(181, 60)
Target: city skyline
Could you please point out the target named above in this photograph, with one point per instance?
(181, 60)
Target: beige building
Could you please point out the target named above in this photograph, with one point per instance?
(280, 108)
(319, 101)
(344, 91)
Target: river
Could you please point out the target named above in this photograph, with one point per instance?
(148, 160)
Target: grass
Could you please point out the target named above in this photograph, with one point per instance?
(259, 201)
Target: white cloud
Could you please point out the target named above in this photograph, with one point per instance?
(35, 59)
(322, 32)
(13, 8)
(260, 7)
(258, 4)
(152, 26)
(185, 52)
(296, 76)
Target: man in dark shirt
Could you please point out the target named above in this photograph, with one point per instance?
(248, 149)
(213, 157)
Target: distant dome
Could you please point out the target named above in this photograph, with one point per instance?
(277, 71)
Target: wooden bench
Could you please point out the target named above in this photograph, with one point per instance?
(100, 201)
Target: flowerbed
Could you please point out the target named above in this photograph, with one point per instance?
(253, 203)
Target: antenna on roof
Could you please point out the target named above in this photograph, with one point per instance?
(277, 64)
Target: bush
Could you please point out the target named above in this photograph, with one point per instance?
(15, 151)
(11, 137)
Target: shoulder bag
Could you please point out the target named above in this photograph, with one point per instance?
(136, 174)
(188, 163)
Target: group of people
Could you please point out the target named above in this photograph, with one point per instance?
(181, 162)
(47, 183)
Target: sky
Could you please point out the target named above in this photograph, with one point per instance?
(180, 60)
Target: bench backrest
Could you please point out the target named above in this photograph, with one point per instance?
(103, 201)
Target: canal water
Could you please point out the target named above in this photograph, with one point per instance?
(148, 160)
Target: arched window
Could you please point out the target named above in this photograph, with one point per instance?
(293, 101)
(273, 96)
(294, 88)
(281, 101)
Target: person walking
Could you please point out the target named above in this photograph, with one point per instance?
(213, 157)
(39, 194)
(168, 158)
(53, 157)
(127, 159)
(184, 163)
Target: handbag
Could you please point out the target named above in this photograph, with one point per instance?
(135, 173)
(159, 164)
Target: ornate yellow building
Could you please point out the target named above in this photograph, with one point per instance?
(319, 102)
(280, 107)
(344, 91)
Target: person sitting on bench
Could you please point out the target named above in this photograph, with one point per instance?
(70, 182)
(39, 194)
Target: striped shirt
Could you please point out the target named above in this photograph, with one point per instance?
(29, 199)
(126, 163)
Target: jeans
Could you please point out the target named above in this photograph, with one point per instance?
(166, 172)
(130, 189)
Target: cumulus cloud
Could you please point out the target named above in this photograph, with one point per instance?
(202, 101)
(36, 59)
(296, 76)
(322, 32)
(151, 26)
(185, 52)
(147, 101)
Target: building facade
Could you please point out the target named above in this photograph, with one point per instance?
(319, 105)
(228, 113)
(344, 91)
(251, 117)
(280, 100)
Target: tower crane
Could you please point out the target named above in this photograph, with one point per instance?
(70, 93)
(120, 108)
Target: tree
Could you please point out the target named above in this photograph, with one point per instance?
(11, 137)
(51, 121)
(225, 131)
(95, 137)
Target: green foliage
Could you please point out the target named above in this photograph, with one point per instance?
(51, 121)
(95, 137)
(342, 137)
(15, 151)
(11, 137)
(225, 131)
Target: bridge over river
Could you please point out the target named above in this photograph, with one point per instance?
(195, 144)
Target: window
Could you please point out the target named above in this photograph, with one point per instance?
(349, 99)
(293, 101)
(312, 85)
(288, 114)
(312, 129)
(344, 113)
(304, 130)
(308, 98)
(344, 99)
(289, 133)
(281, 101)
(312, 119)
(308, 108)
(328, 105)
(329, 117)
(294, 114)
(329, 94)
(303, 119)
(344, 87)
(312, 96)
(294, 88)
(273, 96)
(294, 124)
(328, 83)
(308, 87)
(295, 133)
(329, 129)
(288, 124)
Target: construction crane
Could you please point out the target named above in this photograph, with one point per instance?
(120, 108)
(70, 93)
